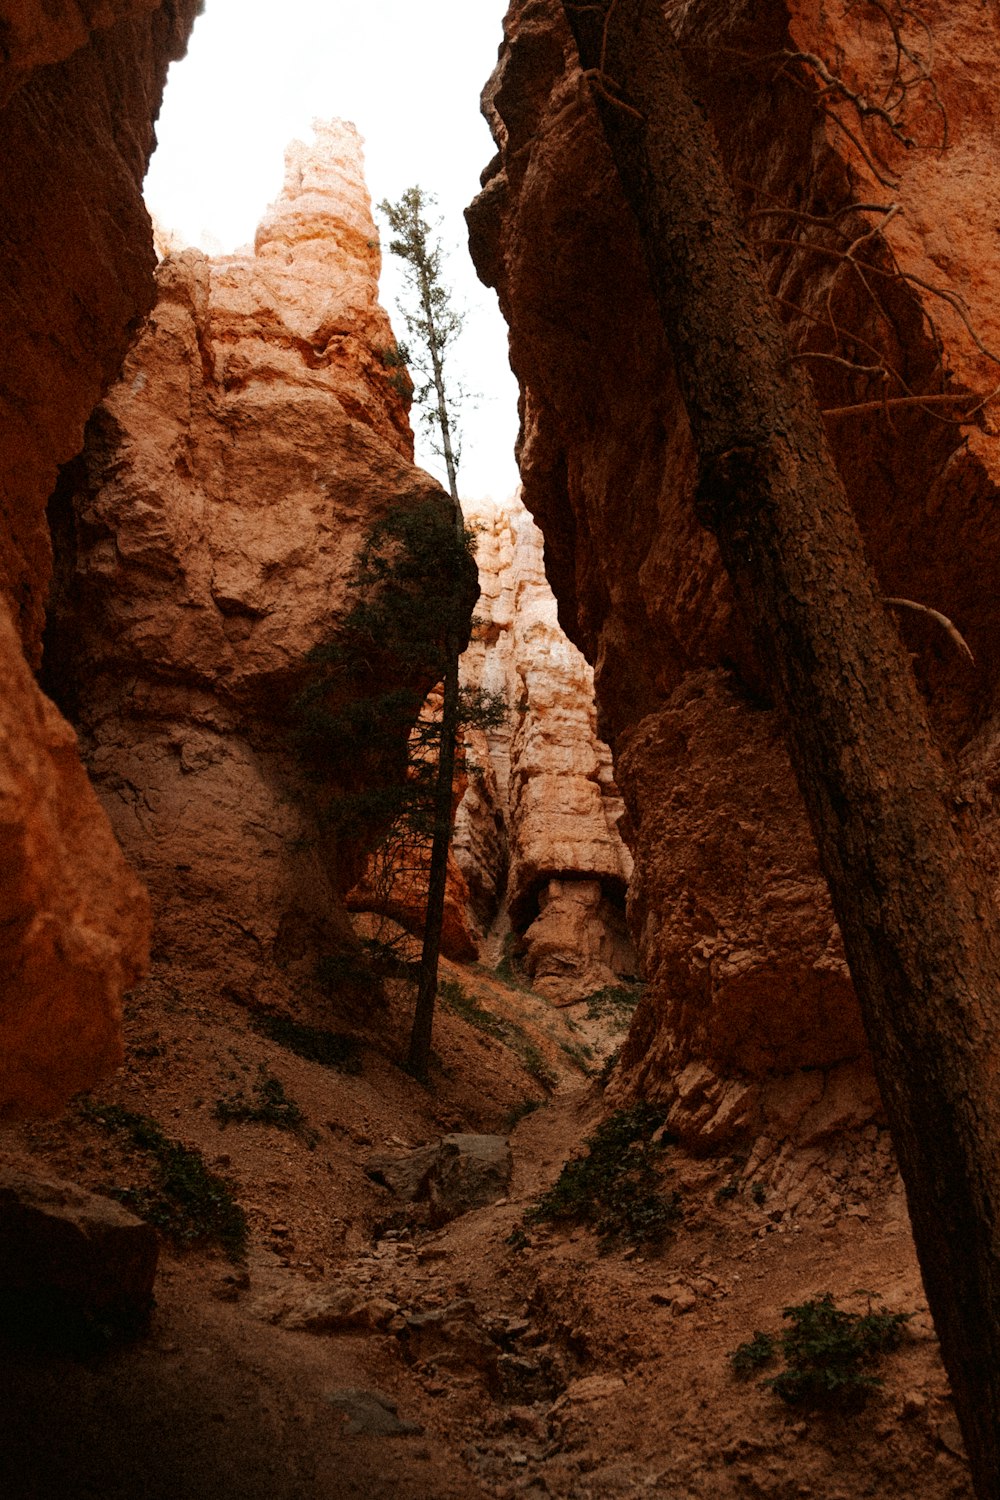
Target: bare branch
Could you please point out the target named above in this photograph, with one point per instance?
(939, 618)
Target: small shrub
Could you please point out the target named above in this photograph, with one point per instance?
(828, 1352)
(269, 1105)
(188, 1203)
(520, 1111)
(615, 1187)
(615, 1004)
(753, 1355)
(331, 1049)
(758, 1193)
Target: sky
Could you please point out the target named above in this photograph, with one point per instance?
(409, 75)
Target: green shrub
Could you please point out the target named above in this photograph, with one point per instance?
(751, 1356)
(615, 1004)
(828, 1352)
(615, 1188)
(187, 1203)
(269, 1105)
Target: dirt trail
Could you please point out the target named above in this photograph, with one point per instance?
(486, 1357)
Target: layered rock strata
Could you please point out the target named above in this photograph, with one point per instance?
(884, 276)
(80, 88)
(206, 539)
(541, 823)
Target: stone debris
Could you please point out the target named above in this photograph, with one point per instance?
(452, 1176)
(372, 1414)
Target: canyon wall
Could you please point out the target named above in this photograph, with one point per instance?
(876, 237)
(206, 538)
(539, 826)
(80, 88)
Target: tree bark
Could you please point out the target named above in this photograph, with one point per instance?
(919, 927)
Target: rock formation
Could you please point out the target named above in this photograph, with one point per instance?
(541, 821)
(738, 941)
(80, 87)
(205, 540)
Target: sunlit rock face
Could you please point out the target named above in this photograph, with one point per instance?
(80, 87)
(747, 983)
(560, 861)
(206, 539)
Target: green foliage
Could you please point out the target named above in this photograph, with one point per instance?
(454, 996)
(331, 1049)
(269, 1105)
(356, 722)
(615, 1188)
(520, 1111)
(828, 1352)
(615, 1004)
(758, 1193)
(431, 320)
(188, 1203)
(753, 1355)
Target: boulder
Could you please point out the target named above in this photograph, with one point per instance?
(75, 1267)
(451, 1176)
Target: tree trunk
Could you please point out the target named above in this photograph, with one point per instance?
(437, 879)
(918, 926)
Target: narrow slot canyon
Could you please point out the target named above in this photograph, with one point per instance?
(249, 1248)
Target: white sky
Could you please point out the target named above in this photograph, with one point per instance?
(409, 75)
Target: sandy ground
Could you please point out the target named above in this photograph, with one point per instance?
(486, 1367)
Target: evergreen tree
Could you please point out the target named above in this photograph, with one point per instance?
(432, 324)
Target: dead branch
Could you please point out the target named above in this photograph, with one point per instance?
(942, 620)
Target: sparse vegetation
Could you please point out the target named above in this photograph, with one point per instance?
(331, 1049)
(828, 1352)
(615, 1188)
(608, 1066)
(614, 1004)
(508, 970)
(509, 1033)
(268, 1105)
(187, 1203)
(520, 1111)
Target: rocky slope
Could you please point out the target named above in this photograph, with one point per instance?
(882, 272)
(206, 537)
(540, 823)
(80, 88)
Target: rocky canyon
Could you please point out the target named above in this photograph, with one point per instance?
(749, 1024)
(370, 1287)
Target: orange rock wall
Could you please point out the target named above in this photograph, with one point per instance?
(738, 941)
(80, 87)
(566, 868)
(205, 540)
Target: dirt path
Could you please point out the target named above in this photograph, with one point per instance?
(488, 1356)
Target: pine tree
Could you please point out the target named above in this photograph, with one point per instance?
(432, 324)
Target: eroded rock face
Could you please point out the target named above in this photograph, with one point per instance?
(206, 539)
(728, 906)
(80, 87)
(561, 861)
